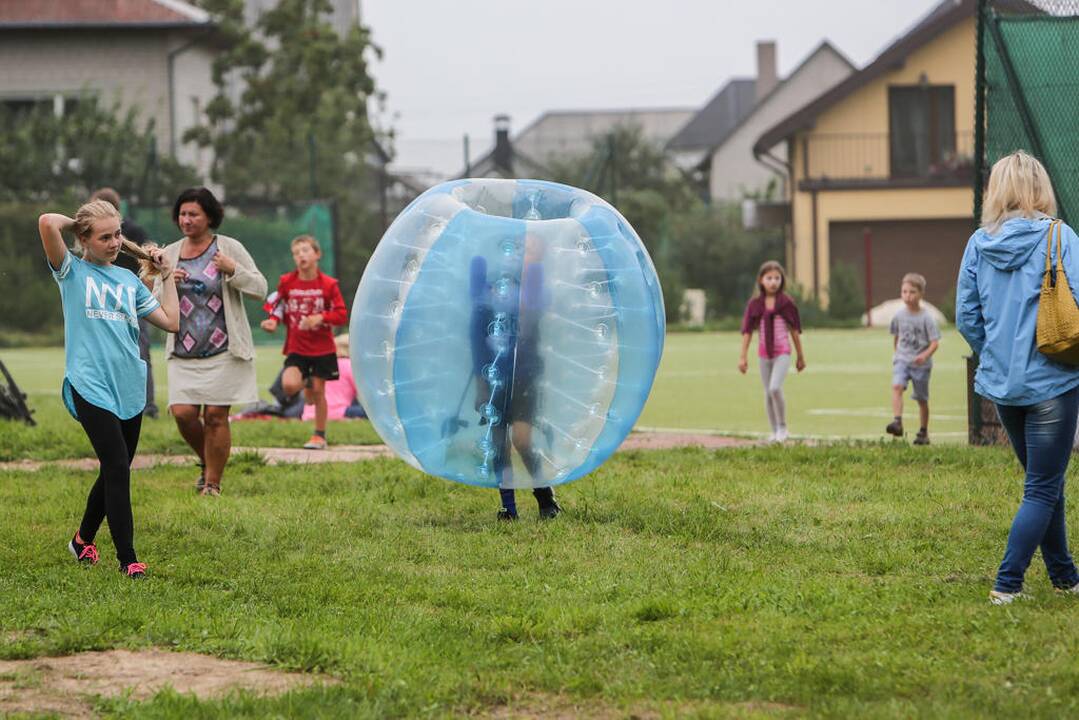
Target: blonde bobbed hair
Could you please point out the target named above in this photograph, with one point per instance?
(1019, 186)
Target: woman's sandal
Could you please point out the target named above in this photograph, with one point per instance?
(200, 484)
(211, 490)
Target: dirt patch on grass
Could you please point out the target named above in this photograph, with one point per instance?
(272, 456)
(353, 453)
(65, 685)
(560, 707)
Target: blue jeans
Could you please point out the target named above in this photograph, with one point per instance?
(1042, 437)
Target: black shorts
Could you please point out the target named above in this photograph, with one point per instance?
(320, 366)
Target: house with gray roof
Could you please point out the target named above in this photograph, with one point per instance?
(711, 125)
(732, 169)
(718, 141)
(564, 134)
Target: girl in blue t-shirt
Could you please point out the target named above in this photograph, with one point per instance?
(104, 377)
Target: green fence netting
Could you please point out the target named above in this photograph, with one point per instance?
(265, 230)
(1028, 72)
(1027, 94)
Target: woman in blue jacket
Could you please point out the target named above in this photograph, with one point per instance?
(1037, 399)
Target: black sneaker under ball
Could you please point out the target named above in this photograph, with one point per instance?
(550, 512)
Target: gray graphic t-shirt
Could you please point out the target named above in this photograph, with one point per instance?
(915, 331)
(202, 312)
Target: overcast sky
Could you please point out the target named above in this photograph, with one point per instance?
(450, 65)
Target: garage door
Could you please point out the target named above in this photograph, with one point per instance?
(930, 247)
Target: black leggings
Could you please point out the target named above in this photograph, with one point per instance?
(114, 440)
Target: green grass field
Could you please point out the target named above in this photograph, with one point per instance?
(818, 581)
(831, 582)
(844, 393)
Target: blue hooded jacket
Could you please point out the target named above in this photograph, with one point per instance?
(996, 310)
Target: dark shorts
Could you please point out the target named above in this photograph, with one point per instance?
(320, 366)
(522, 406)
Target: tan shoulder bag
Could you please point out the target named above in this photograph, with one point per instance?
(1057, 334)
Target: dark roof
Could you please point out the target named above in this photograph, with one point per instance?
(19, 14)
(718, 118)
(941, 18)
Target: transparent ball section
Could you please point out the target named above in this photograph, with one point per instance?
(506, 333)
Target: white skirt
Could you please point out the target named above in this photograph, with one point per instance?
(221, 379)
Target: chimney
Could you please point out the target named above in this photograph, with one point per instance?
(503, 152)
(767, 78)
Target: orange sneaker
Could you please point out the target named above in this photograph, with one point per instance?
(316, 442)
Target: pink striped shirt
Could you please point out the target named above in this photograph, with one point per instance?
(782, 344)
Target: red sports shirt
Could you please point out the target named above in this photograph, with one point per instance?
(296, 299)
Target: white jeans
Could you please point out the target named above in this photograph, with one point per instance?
(773, 373)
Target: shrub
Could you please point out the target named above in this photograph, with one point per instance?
(846, 296)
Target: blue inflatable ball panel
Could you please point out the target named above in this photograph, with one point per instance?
(506, 333)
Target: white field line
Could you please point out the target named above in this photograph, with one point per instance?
(875, 413)
(761, 435)
(823, 369)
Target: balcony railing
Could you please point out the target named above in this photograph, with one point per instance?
(884, 159)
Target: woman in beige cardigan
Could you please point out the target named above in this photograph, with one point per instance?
(211, 359)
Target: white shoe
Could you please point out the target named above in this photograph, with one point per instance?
(781, 435)
(1073, 590)
(1005, 598)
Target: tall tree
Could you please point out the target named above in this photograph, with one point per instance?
(290, 119)
(626, 169)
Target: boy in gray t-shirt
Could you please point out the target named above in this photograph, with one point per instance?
(916, 338)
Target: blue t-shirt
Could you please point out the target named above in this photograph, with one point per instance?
(102, 305)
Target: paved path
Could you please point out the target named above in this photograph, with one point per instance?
(354, 453)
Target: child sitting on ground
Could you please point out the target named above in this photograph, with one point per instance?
(916, 338)
(310, 304)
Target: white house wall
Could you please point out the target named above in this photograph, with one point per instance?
(734, 170)
(129, 67)
(194, 88)
(115, 66)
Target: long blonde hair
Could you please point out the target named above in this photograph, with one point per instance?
(1019, 186)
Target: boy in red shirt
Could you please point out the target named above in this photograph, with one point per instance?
(310, 303)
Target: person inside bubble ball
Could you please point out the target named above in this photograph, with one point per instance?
(506, 377)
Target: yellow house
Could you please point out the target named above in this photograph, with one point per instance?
(881, 166)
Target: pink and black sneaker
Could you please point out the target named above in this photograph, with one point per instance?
(135, 570)
(85, 553)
